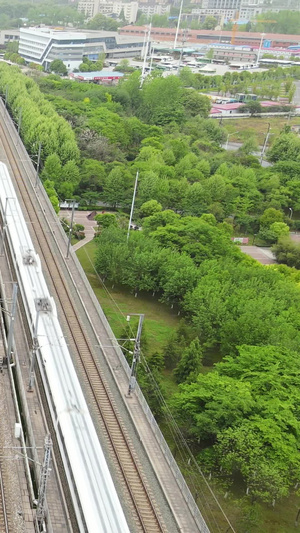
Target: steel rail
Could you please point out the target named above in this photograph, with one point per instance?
(146, 516)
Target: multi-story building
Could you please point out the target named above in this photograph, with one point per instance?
(200, 14)
(7, 36)
(235, 54)
(152, 8)
(43, 45)
(91, 8)
(88, 7)
(218, 4)
(276, 40)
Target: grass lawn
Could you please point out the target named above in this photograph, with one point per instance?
(160, 320)
(257, 126)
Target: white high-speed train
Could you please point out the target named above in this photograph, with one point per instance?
(94, 496)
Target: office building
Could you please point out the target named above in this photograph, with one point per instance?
(43, 45)
(152, 8)
(91, 8)
(7, 36)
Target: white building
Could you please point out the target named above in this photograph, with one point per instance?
(152, 8)
(218, 13)
(43, 45)
(88, 7)
(7, 36)
(91, 8)
(129, 10)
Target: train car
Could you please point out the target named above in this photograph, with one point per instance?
(94, 496)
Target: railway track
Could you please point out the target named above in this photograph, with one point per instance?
(4, 514)
(139, 500)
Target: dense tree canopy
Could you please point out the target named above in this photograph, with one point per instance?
(283, 22)
(51, 13)
(240, 415)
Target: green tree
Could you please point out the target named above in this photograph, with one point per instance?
(284, 22)
(92, 176)
(52, 169)
(177, 276)
(270, 216)
(58, 66)
(190, 363)
(196, 104)
(249, 146)
(106, 220)
(287, 252)
(51, 192)
(161, 101)
(253, 107)
(209, 23)
(286, 147)
(118, 187)
(12, 47)
(211, 404)
(100, 22)
(210, 54)
(150, 208)
(280, 228)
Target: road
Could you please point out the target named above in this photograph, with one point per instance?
(296, 99)
(232, 146)
(262, 255)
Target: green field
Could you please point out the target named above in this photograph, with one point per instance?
(257, 126)
(117, 302)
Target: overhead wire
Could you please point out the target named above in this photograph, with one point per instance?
(205, 507)
(184, 443)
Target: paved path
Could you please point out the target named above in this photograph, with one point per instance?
(81, 217)
(295, 237)
(296, 99)
(263, 255)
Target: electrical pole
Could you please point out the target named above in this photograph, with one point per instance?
(178, 25)
(260, 47)
(145, 55)
(265, 143)
(136, 355)
(12, 322)
(38, 164)
(132, 204)
(151, 59)
(41, 507)
(71, 228)
(181, 51)
(20, 120)
(144, 43)
(6, 95)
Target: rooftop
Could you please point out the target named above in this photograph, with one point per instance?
(214, 34)
(66, 33)
(97, 74)
(227, 107)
